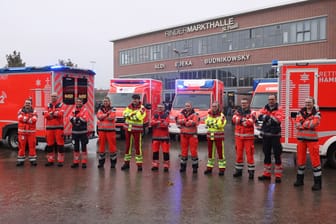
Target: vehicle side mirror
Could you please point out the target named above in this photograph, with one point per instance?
(293, 114)
(148, 106)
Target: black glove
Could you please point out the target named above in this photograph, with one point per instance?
(156, 116)
(267, 117)
(261, 117)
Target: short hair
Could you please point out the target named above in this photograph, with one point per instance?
(136, 96)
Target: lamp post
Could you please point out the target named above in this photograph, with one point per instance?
(178, 64)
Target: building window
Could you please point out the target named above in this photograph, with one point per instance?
(267, 36)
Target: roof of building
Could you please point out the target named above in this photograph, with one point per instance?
(277, 5)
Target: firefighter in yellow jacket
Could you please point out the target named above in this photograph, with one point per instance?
(134, 116)
(306, 123)
(215, 123)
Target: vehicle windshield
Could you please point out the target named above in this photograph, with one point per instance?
(199, 101)
(259, 100)
(120, 99)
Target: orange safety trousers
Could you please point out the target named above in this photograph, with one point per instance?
(189, 141)
(29, 139)
(52, 136)
(107, 137)
(313, 148)
(157, 143)
(248, 145)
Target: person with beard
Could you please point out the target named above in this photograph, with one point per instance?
(160, 137)
(79, 119)
(188, 121)
(271, 116)
(306, 123)
(106, 133)
(134, 116)
(27, 118)
(244, 119)
(54, 131)
(215, 123)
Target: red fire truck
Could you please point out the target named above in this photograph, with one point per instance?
(201, 93)
(299, 80)
(121, 91)
(37, 83)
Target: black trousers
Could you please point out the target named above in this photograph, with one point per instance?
(269, 143)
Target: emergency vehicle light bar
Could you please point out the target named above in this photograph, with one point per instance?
(195, 84)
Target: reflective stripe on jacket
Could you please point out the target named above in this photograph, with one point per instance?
(160, 123)
(188, 122)
(54, 116)
(215, 124)
(134, 118)
(106, 119)
(306, 124)
(27, 121)
(244, 123)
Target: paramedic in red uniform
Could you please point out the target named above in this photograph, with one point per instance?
(306, 123)
(54, 131)
(78, 119)
(188, 121)
(27, 118)
(244, 119)
(106, 132)
(134, 115)
(160, 137)
(271, 116)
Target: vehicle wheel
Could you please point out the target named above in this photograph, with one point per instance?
(13, 140)
(331, 156)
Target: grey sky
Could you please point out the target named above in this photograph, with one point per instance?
(45, 31)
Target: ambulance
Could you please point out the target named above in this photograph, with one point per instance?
(260, 99)
(37, 83)
(201, 93)
(299, 80)
(121, 91)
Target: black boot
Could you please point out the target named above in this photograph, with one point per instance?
(183, 167)
(317, 183)
(49, 164)
(238, 173)
(299, 180)
(19, 163)
(113, 160)
(33, 163)
(208, 171)
(75, 165)
(126, 166)
(113, 163)
(195, 164)
(101, 163)
(251, 174)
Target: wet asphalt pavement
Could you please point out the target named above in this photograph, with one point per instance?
(64, 195)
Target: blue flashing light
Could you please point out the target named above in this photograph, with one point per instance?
(56, 67)
(194, 83)
(208, 84)
(275, 62)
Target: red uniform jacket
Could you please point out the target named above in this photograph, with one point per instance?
(160, 123)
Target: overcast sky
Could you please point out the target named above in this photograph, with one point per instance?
(44, 31)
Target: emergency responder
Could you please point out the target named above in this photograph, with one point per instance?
(215, 123)
(243, 119)
(271, 116)
(160, 137)
(27, 118)
(106, 132)
(134, 115)
(187, 121)
(306, 123)
(54, 131)
(78, 119)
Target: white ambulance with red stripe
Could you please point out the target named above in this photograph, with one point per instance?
(299, 80)
(37, 83)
